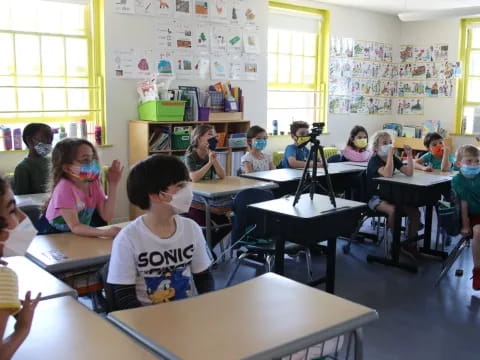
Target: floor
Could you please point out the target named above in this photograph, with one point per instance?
(416, 319)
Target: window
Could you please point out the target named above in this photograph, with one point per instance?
(296, 61)
(468, 97)
(50, 66)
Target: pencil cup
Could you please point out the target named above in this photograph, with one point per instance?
(203, 114)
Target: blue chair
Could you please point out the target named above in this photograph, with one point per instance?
(335, 158)
(256, 247)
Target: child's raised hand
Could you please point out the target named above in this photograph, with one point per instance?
(391, 151)
(25, 316)
(408, 150)
(112, 231)
(465, 231)
(114, 173)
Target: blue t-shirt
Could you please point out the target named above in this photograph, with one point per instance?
(293, 150)
(436, 163)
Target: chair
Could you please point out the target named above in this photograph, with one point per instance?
(454, 254)
(103, 300)
(335, 158)
(257, 249)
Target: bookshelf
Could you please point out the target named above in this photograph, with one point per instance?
(417, 144)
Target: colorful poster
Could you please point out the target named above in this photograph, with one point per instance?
(218, 11)
(362, 49)
(446, 88)
(339, 104)
(251, 41)
(388, 53)
(358, 105)
(144, 66)
(405, 71)
(234, 40)
(124, 63)
(183, 8)
(185, 66)
(219, 38)
(235, 67)
(201, 9)
(165, 64)
(385, 71)
(406, 53)
(164, 32)
(235, 11)
(250, 12)
(335, 46)
(201, 37)
(347, 47)
(410, 88)
(340, 86)
(250, 69)
(432, 70)
(183, 36)
(124, 6)
(384, 106)
(412, 106)
(145, 7)
(219, 67)
(440, 52)
(431, 88)
(388, 88)
(379, 51)
(418, 71)
(164, 7)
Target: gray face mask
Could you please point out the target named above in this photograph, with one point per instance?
(43, 149)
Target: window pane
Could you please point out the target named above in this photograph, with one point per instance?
(73, 19)
(272, 68)
(77, 82)
(284, 69)
(472, 117)
(272, 40)
(27, 54)
(24, 15)
(53, 81)
(5, 14)
(77, 99)
(7, 100)
(6, 59)
(77, 57)
(475, 63)
(50, 17)
(297, 70)
(7, 81)
(284, 42)
(297, 43)
(309, 70)
(54, 99)
(53, 56)
(28, 81)
(310, 45)
(29, 99)
(473, 90)
(476, 38)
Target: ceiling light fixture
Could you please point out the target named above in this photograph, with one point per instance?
(439, 14)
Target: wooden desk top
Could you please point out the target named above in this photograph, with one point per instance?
(34, 278)
(419, 178)
(67, 251)
(64, 329)
(306, 208)
(228, 186)
(31, 199)
(265, 317)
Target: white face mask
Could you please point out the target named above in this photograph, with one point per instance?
(19, 239)
(182, 200)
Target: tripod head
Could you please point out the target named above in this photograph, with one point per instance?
(317, 130)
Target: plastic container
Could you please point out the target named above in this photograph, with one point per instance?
(180, 140)
(73, 130)
(203, 114)
(275, 127)
(221, 139)
(162, 110)
(83, 128)
(17, 139)
(98, 135)
(237, 140)
(7, 139)
(62, 134)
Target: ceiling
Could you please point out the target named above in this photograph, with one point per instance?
(394, 7)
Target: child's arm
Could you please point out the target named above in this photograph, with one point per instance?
(107, 208)
(446, 164)
(125, 296)
(295, 164)
(22, 327)
(465, 219)
(387, 170)
(204, 281)
(271, 166)
(212, 157)
(419, 165)
(21, 183)
(247, 165)
(71, 218)
(408, 169)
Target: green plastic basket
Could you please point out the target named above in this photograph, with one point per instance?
(162, 110)
(180, 140)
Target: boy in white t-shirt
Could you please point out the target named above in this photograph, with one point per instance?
(161, 256)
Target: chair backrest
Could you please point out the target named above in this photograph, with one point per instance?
(335, 158)
(243, 217)
(109, 299)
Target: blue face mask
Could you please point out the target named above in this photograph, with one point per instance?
(260, 144)
(470, 170)
(384, 149)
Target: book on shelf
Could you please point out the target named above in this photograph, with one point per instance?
(191, 106)
(159, 139)
(236, 160)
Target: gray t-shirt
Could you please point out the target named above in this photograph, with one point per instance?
(195, 163)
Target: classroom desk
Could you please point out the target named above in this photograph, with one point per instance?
(263, 318)
(31, 199)
(421, 189)
(34, 278)
(308, 223)
(363, 164)
(66, 251)
(65, 329)
(209, 190)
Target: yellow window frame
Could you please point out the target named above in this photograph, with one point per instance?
(322, 49)
(465, 49)
(96, 83)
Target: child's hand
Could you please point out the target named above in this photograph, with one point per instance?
(114, 173)
(428, 168)
(408, 150)
(391, 151)
(212, 156)
(112, 231)
(465, 231)
(446, 150)
(25, 316)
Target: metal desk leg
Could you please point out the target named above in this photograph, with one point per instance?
(279, 254)
(208, 223)
(358, 344)
(427, 235)
(331, 257)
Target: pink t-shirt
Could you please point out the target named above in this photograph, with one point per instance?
(67, 196)
(352, 154)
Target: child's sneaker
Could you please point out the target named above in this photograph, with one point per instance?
(476, 279)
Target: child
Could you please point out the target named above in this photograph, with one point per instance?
(356, 149)
(201, 158)
(467, 187)
(155, 257)
(77, 192)
(32, 173)
(255, 159)
(294, 156)
(383, 163)
(10, 217)
(438, 156)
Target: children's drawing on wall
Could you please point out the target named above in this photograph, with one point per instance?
(347, 47)
(202, 65)
(250, 67)
(201, 9)
(164, 32)
(183, 8)
(384, 106)
(418, 71)
(341, 86)
(235, 67)
(362, 49)
(406, 53)
(218, 67)
(124, 60)
(358, 105)
(145, 7)
(142, 61)
(440, 52)
(164, 7)
(335, 46)
(165, 66)
(339, 105)
(412, 106)
(185, 66)
(124, 6)
(411, 88)
(183, 36)
(219, 38)
(388, 53)
(431, 88)
(235, 9)
(218, 11)
(372, 106)
(234, 40)
(202, 37)
(379, 51)
(446, 88)
(249, 12)
(251, 41)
